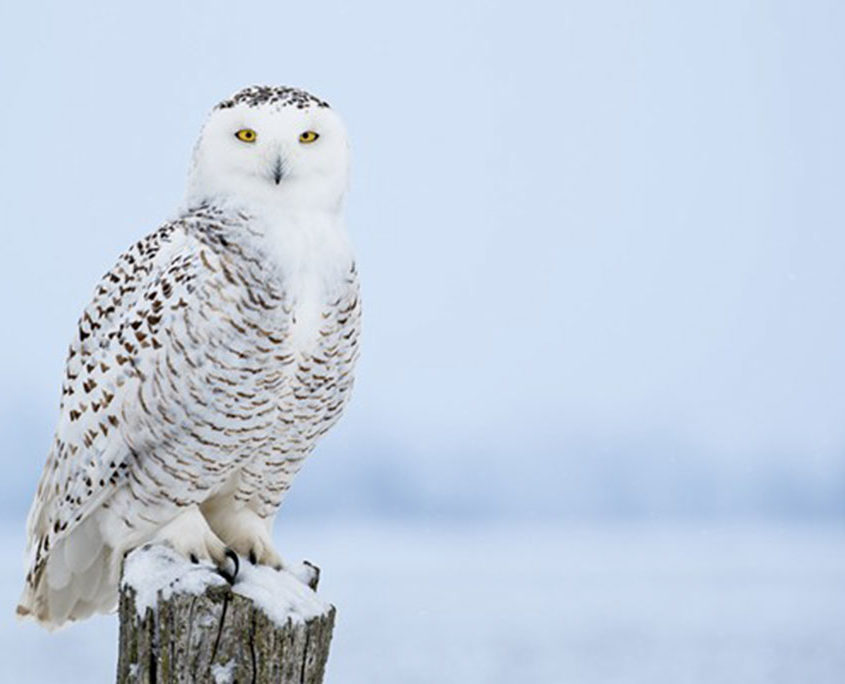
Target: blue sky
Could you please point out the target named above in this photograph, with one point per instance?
(601, 243)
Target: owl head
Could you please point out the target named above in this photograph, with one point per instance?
(275, 145)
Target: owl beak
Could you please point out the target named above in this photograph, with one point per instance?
(278, 170)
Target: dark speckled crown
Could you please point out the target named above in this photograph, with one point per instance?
(278, 96)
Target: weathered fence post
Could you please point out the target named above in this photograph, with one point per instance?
(182, 622)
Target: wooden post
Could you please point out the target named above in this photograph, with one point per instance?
(182, 622)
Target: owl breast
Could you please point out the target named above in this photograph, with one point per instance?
(305, 378)
(258, 365)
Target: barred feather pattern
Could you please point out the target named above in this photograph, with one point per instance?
(196, 373)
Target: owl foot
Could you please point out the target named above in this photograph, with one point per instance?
(265, 555)
(246, 533)
(259, 552)
(190, 535)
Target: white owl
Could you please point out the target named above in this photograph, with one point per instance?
(211, 359)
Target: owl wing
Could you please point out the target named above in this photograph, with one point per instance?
(107, 361)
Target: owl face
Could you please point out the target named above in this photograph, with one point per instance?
(281, 151)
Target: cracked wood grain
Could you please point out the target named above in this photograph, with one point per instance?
(221, 637)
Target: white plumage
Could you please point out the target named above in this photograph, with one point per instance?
(209, 362)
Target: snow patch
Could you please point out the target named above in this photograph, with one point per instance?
(157, 572)
(280, 594)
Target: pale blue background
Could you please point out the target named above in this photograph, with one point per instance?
(603, 261)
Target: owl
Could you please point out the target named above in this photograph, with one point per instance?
(210, 361)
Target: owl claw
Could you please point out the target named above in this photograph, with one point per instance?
(252, 557)
(310, 575)
(314, 578)
(236, 563)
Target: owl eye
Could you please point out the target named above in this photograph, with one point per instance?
(308, 137)
(246, 135)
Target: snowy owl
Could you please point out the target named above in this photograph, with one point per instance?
(211, 359)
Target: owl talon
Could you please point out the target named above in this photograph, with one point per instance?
(309, 574)
(194, 558)
(252, 557)
(236, 563)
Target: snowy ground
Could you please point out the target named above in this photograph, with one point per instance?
(534, 603)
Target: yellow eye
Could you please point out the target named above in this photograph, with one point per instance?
(246, 135)
(308, 137)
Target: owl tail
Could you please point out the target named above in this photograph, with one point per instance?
(73, 581)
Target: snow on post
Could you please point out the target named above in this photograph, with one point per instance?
(183, 622)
